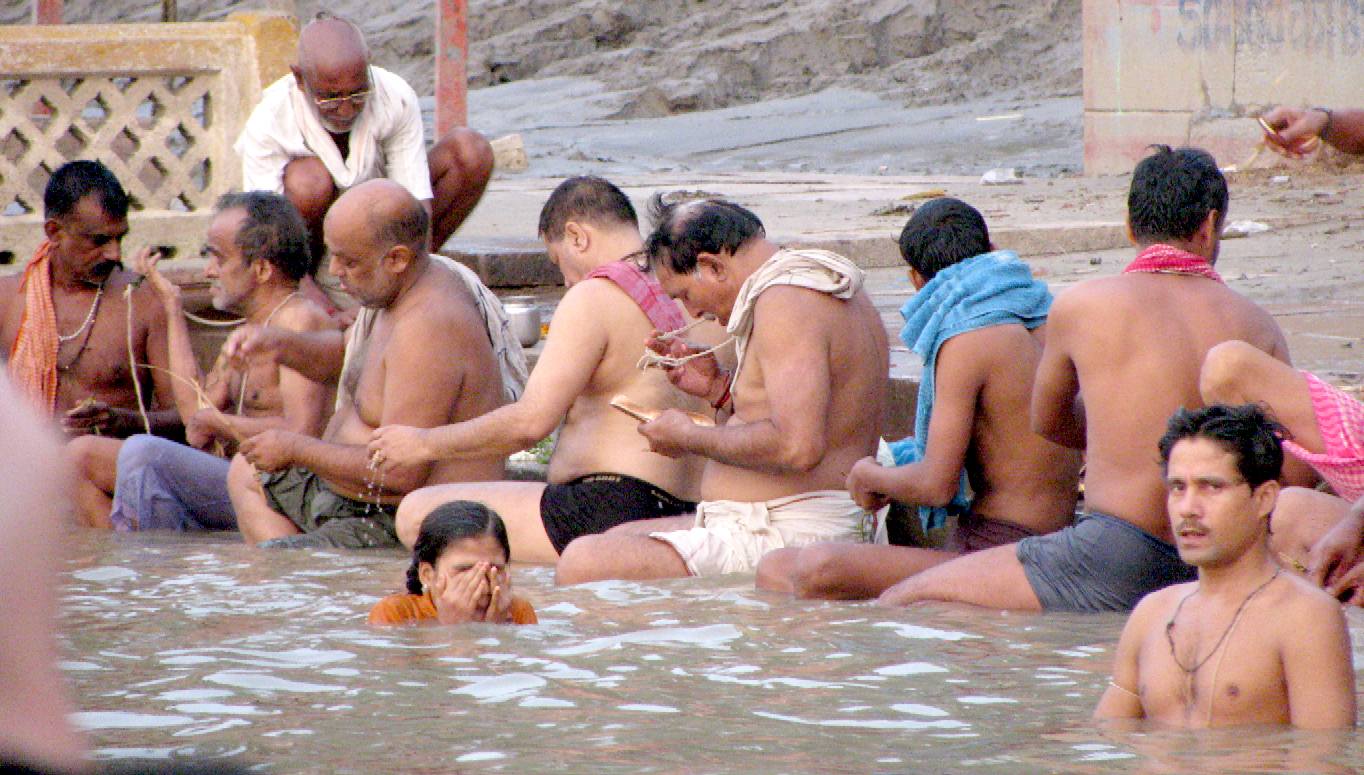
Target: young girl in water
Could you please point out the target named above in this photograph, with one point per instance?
(459, 572)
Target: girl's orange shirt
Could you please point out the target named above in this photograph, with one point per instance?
(412, 609)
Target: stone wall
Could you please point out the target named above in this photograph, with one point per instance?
(1198, 71)
(160, 104)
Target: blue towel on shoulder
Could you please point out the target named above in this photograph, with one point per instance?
(986, 290)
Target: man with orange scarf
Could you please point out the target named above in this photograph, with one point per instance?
(65, 323)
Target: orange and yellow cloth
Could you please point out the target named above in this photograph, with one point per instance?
(33, 357)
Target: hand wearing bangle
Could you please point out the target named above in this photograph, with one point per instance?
(1326, 128)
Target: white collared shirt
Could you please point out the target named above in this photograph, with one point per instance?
(386, 140)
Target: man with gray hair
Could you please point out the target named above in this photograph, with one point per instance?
(256, 251)
(802, 406)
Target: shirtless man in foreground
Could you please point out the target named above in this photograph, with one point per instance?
(984, 351)
(602, 472)
(65, 324)
(257, 251)
(808, 397)
(426, 362)
(1289, 649)
(1122, 354)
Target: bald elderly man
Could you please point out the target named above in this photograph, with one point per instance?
(421, 359)
(337, 121)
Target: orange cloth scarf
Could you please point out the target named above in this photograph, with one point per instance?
(33, 358)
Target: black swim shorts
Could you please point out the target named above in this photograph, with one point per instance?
(597, 502)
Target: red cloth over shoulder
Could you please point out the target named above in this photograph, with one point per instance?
(657, 306)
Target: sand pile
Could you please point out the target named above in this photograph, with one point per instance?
(666, 56)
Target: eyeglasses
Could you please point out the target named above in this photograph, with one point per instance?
(354, 99)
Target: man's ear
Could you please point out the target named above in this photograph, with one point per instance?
(398, 259)
(1210, 230)
(579, 237)
(262, 271)
(1127, 226)
(50, 228)
(1265, 496)
(713, 265)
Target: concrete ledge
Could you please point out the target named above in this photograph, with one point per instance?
(505, 263)
(510, 263)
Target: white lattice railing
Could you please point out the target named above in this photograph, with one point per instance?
(159, 104)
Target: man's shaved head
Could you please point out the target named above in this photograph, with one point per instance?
(331, 45)
(392, 216)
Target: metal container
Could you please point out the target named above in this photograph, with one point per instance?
(525, 320)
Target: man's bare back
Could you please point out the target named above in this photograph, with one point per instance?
(1137, 342)
(596, 437)
(1016, 476)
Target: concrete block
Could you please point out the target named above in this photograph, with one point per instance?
(1299, 53)
(505, 263)
(1154, 55)
(1115, 142)
(275, 36)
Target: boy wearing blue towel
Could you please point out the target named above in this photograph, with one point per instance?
(977, 320)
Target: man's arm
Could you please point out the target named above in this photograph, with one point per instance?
(960, 376)
(1121, 699)
(304, 402)
(1058, 411)
(575, 347)
(405, 149)
(1294, 128)
(317, 355)
(1317, 664)
(791, 344)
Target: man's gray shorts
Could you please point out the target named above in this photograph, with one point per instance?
(163, 485)
(1101, 563)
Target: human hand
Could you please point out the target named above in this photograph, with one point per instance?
(269, 450)
(668, 433)
(146, 263)
(1334, 560)
(864, 484)
(701, 377)
(1294, 132)
(392, 446)
(462, 596)
(251, 343)
(499, 600)
(203, 428)
(93, 417)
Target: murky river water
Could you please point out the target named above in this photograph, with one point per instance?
(200, 646)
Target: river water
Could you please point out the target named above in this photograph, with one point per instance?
(199, 646)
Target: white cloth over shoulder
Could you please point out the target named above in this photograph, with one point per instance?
(386, 140)
(731, 536)
(817, 270)
(511, 358)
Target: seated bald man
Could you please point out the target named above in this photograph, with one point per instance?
(337, 121)
(422, 358)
